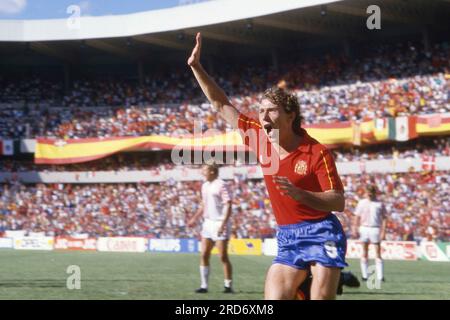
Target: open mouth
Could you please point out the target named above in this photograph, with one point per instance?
(268, 127)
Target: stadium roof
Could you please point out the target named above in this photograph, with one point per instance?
(148, 22)
(251, 25)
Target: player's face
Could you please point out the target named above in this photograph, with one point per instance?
(208, 173)
(273, 117)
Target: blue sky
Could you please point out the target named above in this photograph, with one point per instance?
(49, 9)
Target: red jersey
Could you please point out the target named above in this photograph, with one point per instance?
(311, 167)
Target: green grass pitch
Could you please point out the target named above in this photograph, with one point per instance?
(42, 275)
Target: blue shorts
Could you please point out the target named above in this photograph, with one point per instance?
(322, 241)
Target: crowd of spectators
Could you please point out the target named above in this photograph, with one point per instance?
(151, 210)
(390, 80)
(417, 205)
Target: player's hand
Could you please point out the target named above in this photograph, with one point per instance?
(287, 188)
(191, 223)
(194, 59)
(382, 236)
(221, 230)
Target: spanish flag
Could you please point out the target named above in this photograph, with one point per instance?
(54, 151)
(332, 134)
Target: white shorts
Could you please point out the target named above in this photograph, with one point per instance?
(371, 234)
(211, 228)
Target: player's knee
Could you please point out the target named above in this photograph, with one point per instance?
(324, 289)
(277, 289)
(365, 253)
(205, 258)
(323, 295)
(279, 294)
(224, 258)
(323, 292)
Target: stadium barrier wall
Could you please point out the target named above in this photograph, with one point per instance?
(15, 233)
(173, 245)
(122, 244)
(446, 247)
(433, 251)
(390, 250)
(177, 174)
(227, 173)
(33, 243)
(69, 243)
(252, 247)
(6, 243)
(270, 247)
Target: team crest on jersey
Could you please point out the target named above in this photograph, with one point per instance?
(301, 167)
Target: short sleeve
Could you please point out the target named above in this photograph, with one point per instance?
(327, 173)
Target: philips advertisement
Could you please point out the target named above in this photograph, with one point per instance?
(173, 245)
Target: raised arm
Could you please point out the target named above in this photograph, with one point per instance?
(212, 91)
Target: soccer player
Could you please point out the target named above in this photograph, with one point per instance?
(216, 211)
(304, 190)
(370, 217)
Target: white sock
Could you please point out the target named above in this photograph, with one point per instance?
(204, 274)
(364, 266)
(379, 268)
(227, 283)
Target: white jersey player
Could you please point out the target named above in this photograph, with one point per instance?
(216, 211)
(371, 220)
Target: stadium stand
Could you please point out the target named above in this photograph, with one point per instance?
(417, 204)
(394, 80)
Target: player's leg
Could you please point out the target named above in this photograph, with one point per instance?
(325, 281)
(346, 279)
(379, 266)
(375, 241)
(206, 248)
(222, 246)
(282, 282)
(365, 261)
(304, 290)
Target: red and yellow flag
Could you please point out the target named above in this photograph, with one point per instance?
(54, 151)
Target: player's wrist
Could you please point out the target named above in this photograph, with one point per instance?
(301, 194)
(195, 65)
